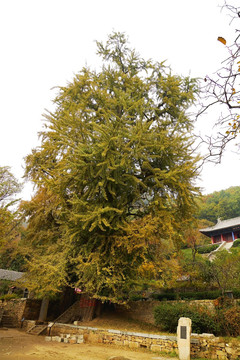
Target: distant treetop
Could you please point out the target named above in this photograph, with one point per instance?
(224, 204)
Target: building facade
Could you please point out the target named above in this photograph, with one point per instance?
(225, 230)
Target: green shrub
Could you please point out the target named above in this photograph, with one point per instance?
(136, 297)
(200, 295)
(191, 295)
(236, 243)
(165, 296)
(232, 321)
(167, 315)
(9, 297)
(4, 286)
(236, 294)
(229, 321)
(207, 249)
(226, 321)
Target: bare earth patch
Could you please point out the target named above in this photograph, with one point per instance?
(116, 321)
(17, 345)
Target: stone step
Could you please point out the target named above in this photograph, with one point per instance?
(37, 329)
(7, 321)
(1, 314)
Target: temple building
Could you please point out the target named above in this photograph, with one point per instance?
(225, 230)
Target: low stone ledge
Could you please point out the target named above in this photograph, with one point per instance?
(195, 341)
(202, 345)
(114, 331)
(120, 332)
(206, 335)
(66, 338)
(27, 324)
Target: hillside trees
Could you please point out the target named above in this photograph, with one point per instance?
(192, 236)
(117, 172)
(225, 270)
(9, 222)
(9, 187)
(224, 204)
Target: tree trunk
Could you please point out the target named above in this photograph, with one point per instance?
(43, 310)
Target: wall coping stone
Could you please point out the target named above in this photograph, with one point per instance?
(114, 331)
(77, 326)
(195, 341)
(206, 335)
(152, 336)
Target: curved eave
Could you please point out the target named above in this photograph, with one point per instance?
(214, 232)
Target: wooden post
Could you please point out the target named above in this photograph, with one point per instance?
(44, 309)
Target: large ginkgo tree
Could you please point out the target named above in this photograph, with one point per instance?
(114, 177)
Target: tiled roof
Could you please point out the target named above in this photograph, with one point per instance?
(10, 275)
(224, 224)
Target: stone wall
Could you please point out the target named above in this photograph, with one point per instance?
(32, 309)
(28, 324)
(138, 310)
(18, 309)
(210, 347)
(144, 310)
(14, 309)
(205, 345)
(152, 342)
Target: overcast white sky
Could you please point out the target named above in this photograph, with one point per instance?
(45, 42)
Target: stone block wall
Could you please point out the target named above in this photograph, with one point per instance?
(15, 309)
(205, 345)
(210, 347)
(144, 310)
(18, 309)
(152, 342)
(139, 310)
(32, 309)
(28, 324)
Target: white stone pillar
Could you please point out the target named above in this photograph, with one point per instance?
(184, 330)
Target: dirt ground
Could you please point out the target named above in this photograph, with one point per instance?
(111, 320)
(17, 345)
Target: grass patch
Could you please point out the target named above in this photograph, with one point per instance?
(172, 354)
(187, 253)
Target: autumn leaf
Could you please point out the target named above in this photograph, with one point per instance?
(222, 40)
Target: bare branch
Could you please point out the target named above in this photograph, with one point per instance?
(223, 89)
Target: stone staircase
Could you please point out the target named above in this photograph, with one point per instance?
(37, 329)
(223, 246)
(6, 319)
(68, 315)
(228, 245)
(81, 310)
(88, 313)
(1, 314)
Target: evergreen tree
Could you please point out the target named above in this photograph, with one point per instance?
(117, 156)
